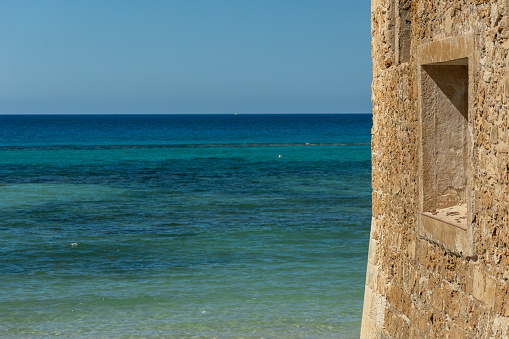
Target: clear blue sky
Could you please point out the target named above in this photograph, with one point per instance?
(185, 56)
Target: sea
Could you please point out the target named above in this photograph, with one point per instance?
(184, 226)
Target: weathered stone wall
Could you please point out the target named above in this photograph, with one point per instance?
(427, 278)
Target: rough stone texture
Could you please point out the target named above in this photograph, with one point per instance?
(426, 279)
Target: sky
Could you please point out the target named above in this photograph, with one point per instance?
(185, 56)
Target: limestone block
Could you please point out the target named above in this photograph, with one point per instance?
(368, 329)
(491, 288)
(500, 327)
(465, 306)
(458, 332)
(451, 301)
(406, 301)
(419, 318)
(372, 247)
(437, 298)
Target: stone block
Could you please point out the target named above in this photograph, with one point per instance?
(451, 301)
(367, 308)
(491, 288)
(368, 328)
(457, 333)
(437, 298)
(394, 296)
(382, 284)
(437, 325)
(469, 284)
(372, 249)
(421, 295)
(465, 305)
(500, 327)
(479, 285)
(506, 308)
(405, 330)
(419, 318)
(371, 275)
(406, 301)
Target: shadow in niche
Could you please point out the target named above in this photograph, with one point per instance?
(452, 80)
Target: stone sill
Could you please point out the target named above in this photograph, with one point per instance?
(442, 227)
(455, 216)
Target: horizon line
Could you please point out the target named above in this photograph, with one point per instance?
(235, 113)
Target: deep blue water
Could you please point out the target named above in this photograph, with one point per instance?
(178, 226)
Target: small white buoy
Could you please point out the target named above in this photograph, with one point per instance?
(74, 244)
(280, 155)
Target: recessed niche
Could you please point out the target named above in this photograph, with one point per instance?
(444, 167)
(445, 142)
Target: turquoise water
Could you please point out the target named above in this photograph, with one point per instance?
(174, 226)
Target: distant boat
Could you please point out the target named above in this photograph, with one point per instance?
(236, 113)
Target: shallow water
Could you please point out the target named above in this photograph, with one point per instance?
(184, 226)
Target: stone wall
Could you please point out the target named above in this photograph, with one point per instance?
(438, 263)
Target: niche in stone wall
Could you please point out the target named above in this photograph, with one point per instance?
(445, 143)
(445, 150)
(403, 26)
